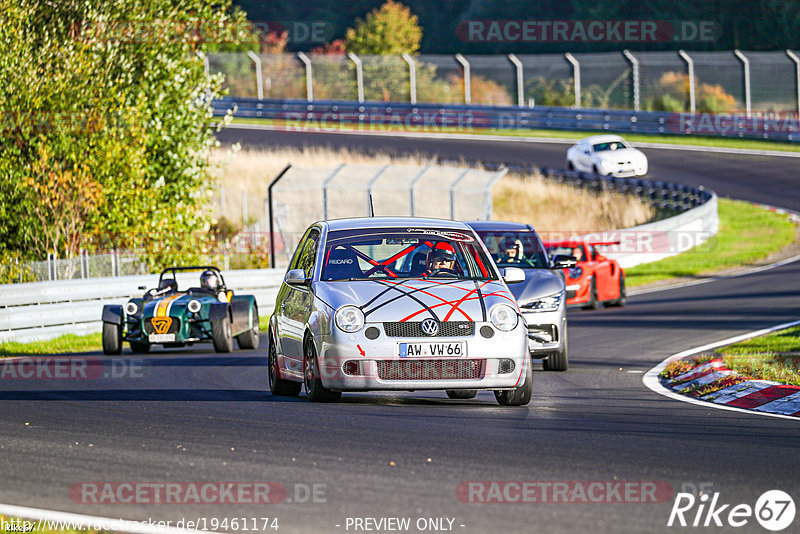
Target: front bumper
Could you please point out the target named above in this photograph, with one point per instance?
(492, 356)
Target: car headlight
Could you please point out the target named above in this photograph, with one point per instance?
(131, 308)
(575, 273)
(349, 319)
(193, 306)
(504, 317)
(544, 304)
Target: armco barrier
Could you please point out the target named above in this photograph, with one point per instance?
(332, 115)
(43, 310)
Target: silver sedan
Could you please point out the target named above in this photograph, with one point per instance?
(397, 304)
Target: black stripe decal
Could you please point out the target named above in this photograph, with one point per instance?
(480, 298)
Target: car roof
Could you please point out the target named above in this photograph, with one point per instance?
(602, 139)
(499, 226)
(392, 222)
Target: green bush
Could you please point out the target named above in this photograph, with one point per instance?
(108, 125)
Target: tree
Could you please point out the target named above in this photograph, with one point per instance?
(107, 125)
(388, 30)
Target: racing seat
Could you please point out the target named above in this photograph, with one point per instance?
(342, 264)
(419, 264)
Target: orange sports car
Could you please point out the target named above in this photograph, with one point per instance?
(595, 280)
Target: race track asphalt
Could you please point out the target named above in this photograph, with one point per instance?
(189, 415)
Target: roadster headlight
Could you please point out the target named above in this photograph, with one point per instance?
(131, 308)
(504, 317)
(349, 319)
(193, 306)
(548, 303)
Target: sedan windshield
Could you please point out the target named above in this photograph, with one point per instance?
(610, 145)
(382, 253)
(515, 249)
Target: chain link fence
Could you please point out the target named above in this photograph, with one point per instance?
(305, 195)
(722, 82)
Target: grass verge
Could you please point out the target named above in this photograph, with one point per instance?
(60, 345)
(775, 356)
(72, 343)
(686, 140)
(747, 234)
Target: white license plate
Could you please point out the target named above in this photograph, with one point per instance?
(426, 350)
(161, 338)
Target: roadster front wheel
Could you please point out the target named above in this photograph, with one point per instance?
(221, 334)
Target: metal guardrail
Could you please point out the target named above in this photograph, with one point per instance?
(331, 115)
(43, 310)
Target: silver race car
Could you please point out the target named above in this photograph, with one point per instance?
(397, 304)
(542, 297)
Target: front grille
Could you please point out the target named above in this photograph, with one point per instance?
(446, 329)
(430, 369)
(174, 325)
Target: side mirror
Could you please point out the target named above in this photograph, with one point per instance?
(296, 277)
(564, 261)
(513, 275)
(600, 257)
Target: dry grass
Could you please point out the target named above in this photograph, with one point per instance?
(552, 207)
(529, 199)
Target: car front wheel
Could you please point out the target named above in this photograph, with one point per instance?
(315, 391)
(520, 396)
(558, 361)
(112, 338)
(221, 334)
(279, 386)
(249, 339)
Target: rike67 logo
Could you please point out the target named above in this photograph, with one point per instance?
(774, 510)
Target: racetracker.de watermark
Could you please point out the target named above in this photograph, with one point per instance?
(390, 120)
(736, 124)
(635, 241)
(201, 31)
(564, 491)
(69, 368)
(587, 31)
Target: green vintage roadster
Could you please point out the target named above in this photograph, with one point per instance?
(172, 317)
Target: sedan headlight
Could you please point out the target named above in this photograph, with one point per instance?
(504, 317)
(544, 304)
(349, 319)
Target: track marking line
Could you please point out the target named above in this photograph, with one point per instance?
(91, 521)
(652, 381)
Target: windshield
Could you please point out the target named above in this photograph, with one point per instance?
(567, 250)
(515, 249)
(610, 145)
(404, 253)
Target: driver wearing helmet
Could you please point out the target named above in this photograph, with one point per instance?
(512, 250)
(441, 259)
(209, 281)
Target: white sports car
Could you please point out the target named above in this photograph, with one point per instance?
(606, 155)
(397, 304)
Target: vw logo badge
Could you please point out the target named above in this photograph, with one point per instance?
(430, 327)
